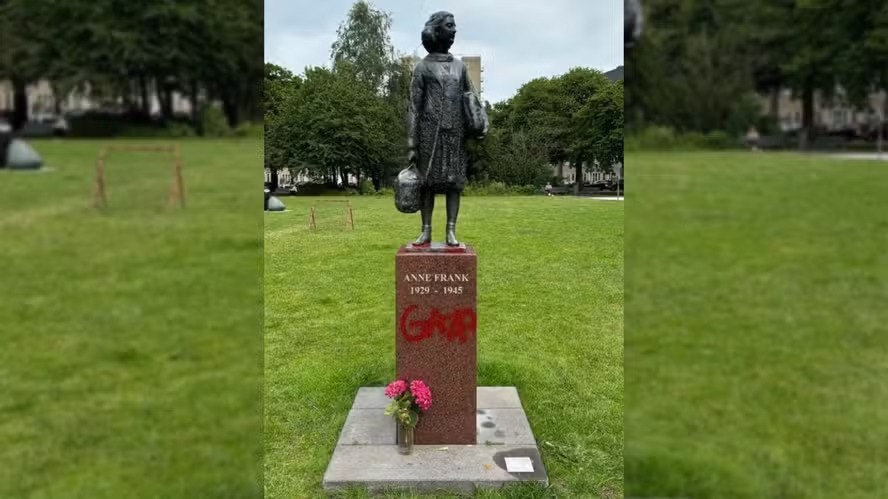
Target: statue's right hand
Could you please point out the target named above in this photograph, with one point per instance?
(411, 157)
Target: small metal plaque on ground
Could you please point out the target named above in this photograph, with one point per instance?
(366, 455)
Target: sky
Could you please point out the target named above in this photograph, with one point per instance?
(518, 40)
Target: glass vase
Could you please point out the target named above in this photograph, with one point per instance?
(405, 439)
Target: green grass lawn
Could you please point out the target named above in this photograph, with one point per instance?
(756, 352)
(550, 312)
(131, 356)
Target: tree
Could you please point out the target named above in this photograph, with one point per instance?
(363, 41)
(332, 125)
(863, 62)
(363, 44)
(700, 58)
(348, 120)
(279, 83)
(279, 88)
(520, 158)
(548, 108)
(231, 54)
(811, 66)
(540, 106)
(21, 56)
(600, 130)
(134, 50)
(763, 32)
(694, 61)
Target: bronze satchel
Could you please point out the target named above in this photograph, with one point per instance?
(407, 188)
(476, 116)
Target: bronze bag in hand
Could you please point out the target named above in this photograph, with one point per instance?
(476, 117)
(407, 186)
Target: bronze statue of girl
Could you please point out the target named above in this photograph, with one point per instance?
(443, 113)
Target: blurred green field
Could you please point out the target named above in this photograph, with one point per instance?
(550, 312)
(131, 363)
(756, 350)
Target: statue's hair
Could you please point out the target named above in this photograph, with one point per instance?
(430, 38)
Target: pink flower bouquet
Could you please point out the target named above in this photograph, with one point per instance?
(408, 400)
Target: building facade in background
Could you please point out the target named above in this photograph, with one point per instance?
(832, 115)
(286, 178)
(42, 100)
(476, 72)
(590, 175)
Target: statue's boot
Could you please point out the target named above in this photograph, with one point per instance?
(425, 237)
(452, 213)
(427, 207)
(451, 234)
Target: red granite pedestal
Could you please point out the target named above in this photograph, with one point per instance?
(435, 332)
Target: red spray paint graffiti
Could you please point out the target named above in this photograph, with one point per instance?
(456, 326)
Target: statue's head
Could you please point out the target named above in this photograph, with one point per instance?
(439, 32)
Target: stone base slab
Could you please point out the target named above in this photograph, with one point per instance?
(366, 455)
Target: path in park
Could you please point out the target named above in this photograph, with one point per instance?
(868, 156)
(604, 198)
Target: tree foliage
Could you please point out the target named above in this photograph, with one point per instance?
(600, 122)
(363, 41)
(575, 118)
(699, 59)
(332, 124)
(133, 50)
(348, 120)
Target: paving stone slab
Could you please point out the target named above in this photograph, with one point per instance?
(498, 397)
(461, 468)
(368, 427)
(504, 427)
(371, 397)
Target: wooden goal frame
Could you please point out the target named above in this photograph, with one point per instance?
(349, 215)
(177, 190)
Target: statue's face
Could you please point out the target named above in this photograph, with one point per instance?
(447, 31)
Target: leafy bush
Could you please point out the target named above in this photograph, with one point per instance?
(104, 124)
(213, 122)
(768, 125)
(745, 112)
(500, 189)
(312, 189)
(320, 189)
(173, 129)
(660, 138)
(526, 190)
(496, 189)
(248, 129)
(652, 137)
(96, 124)
(718, 139)
(690, 140)
(386, 191)
(366, 188)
